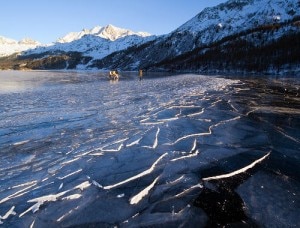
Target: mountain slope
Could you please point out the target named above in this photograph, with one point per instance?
(239, 54)
(258, 22)
(237, 15)
(93, 44)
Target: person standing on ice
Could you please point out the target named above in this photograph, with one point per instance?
(140, 74)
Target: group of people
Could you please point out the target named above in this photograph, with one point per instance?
(114, 75)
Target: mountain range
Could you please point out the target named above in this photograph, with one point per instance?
(10, 46)
(235, 36)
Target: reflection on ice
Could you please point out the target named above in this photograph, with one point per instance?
(76, 150)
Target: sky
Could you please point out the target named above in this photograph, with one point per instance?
(48, 20)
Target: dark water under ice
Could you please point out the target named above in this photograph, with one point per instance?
(78, 150)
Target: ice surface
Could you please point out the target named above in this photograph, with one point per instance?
(263, 188)
(78, 150)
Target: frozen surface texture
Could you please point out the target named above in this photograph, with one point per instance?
(185, 150)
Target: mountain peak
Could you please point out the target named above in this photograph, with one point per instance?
(109, 32)
(9, 46)
(112, 33)
(28, 41)
(5, 40)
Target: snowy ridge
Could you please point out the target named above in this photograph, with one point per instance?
(9, 46)
(108, 32)
(235, 16)
(97, 42)
(256, 22)
(4, 40)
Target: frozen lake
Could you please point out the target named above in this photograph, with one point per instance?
(79, 150)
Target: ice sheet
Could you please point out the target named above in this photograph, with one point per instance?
(77, 150)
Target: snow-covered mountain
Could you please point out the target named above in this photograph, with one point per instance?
(9, 46)
(95, 43)
(251, 35)
(108, 32)
(257, 23)
(235, 16)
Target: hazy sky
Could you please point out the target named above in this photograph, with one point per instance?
(47, 20)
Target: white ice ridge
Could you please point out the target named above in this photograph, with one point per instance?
(187, 156)
(189, 189)
(161, 121)
(70, 161)
(71, 197)
(41, 200)
(194, 146)
(97, 154)
(70, 174)
(53, 197)
(10, 212)
(204, 133)
(96, 184)
(197, 113)
(24, 184)
(138, 175)
(156, 138)
(68, 213)
(234, 108)
(237, 171)
(192, 153)
(155, 143)
(137, 198)
(32, 224)
(19, 193)
(134, 142)
(114, 150)
(21, 143)
(286, 135)
(153, 123)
